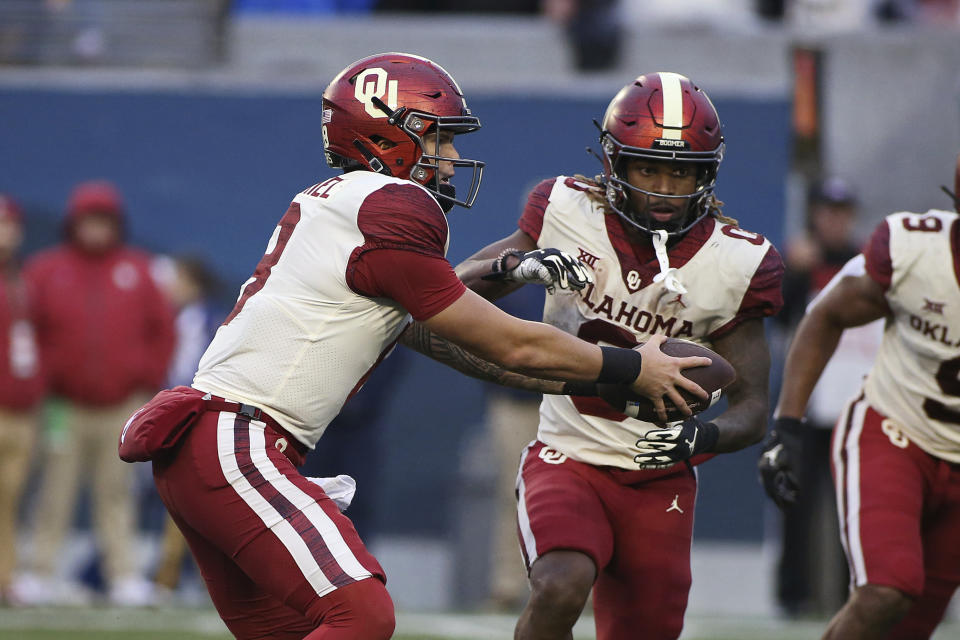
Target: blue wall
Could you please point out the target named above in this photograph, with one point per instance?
(211, 174)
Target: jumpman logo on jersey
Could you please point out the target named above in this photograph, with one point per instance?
(675, 506)
(933, 307)
(679, 300)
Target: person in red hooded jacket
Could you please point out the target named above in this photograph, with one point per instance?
(21, 386)
(106, 336)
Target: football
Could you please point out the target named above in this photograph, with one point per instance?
(713, 378)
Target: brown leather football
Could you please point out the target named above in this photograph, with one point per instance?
(713, 378)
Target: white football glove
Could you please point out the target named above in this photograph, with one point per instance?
(549, 267)
(678, 441)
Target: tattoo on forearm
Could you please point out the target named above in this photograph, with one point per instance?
(419, 338)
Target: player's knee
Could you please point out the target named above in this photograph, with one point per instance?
(880, 603)
(562, 584)
(377, 625)
(559, 595)
(373, 616)
(379, 621)
(360, 611)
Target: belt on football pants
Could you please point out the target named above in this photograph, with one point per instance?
(251, 412)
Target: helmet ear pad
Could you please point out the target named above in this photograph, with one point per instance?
(398, 154)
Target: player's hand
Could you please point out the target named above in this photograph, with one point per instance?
(549, 267)
(781, 452)
(660, 448)
(661, 374)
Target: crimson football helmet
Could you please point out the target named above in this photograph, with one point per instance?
(377, 110)
(661, 116)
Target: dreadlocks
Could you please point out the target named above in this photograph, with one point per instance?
(596, 193)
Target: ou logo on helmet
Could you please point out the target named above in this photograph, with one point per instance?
(373, 83)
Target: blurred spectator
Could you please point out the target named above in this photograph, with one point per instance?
(105, 333)
(186, 33)
(814, 257)
(812, 572)
(770, 9)
(932, 12)
(194, 290)
(821, 15)
(462, 6)
(939, 12)
(21, 387)
(593, 28)
(302, 6)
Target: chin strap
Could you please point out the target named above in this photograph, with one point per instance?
(667, 275)
(372, 160)
(953, 196)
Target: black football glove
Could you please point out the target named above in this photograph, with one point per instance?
(781, 453)
(549, 267)
(661, 448)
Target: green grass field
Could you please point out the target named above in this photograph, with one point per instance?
(203, 624)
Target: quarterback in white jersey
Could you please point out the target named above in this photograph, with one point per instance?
(354, 258)
(301, 338)
(598, 490)
(896, 448)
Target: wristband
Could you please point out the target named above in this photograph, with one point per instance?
(500, 262)
(578, 388)
(710, 434)
(619, 365)
(498, 269)
(789, 425)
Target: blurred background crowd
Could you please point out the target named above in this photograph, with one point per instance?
(116, 31)
(149, 146)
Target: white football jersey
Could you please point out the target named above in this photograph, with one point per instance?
(300, 340)
(914, 381)
(729, 275)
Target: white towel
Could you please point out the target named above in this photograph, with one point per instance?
(340, 489)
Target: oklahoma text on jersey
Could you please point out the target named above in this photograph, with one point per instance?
(730, 275)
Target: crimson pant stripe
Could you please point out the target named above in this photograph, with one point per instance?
(311, 537)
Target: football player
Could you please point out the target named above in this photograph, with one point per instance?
(353, 258)
(896, 447)
(606, 501)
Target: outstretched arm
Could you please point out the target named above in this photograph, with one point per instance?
(853, 301)
(419, 338)
(540, 350)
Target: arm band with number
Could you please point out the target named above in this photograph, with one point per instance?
(619, 365)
